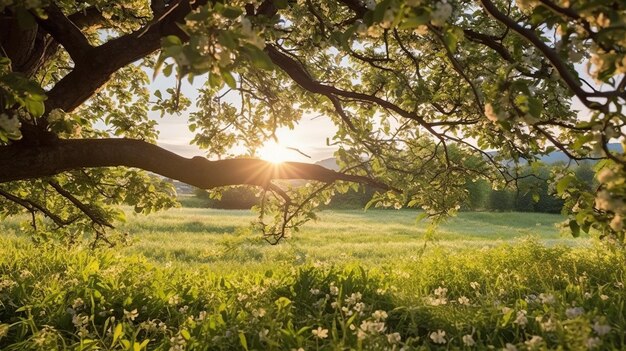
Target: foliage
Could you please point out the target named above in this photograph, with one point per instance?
(418, 91)
(523, 295)
(237, 198)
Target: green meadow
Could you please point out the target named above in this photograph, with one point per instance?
(200, 279)
(224, 240)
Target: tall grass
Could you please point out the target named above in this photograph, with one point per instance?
(524, 294)
(198, 280)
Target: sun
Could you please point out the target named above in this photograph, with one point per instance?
(274, 152)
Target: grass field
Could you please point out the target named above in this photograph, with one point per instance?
(198, 279)
(223, 238)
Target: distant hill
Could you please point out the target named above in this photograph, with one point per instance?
(560, 156)
(553, 157)
(330, 163)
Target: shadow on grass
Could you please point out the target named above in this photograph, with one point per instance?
(184, 227)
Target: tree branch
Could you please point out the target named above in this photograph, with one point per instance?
(19, 163)
(84, 208)
(97, 65)
(33, 206)
(566, 75)
(65, 32)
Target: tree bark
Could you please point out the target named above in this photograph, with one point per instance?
(18, 162)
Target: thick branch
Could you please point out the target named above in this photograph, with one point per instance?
(65, 32)
(19, 163)
(90, 17)
(99, 63)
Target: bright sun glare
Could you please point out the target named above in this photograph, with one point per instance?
(274, 152)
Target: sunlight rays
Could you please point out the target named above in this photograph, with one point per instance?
(275, 153)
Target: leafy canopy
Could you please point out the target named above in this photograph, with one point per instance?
(421, 92)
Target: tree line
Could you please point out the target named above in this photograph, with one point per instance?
(531, 193)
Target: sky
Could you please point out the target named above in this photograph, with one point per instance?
(309, 136)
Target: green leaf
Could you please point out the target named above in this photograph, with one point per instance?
(258, 57)
(575, 228)
(281, 4)
(563, 184)
(167, 71)
(231, 12)
(536, 197)
(452, 37)
(282, 302)
(535, 107)
(144, 344)
(35, 108)
(117, 333)
(215, 81)
(379, 11)
(414, 21)
(171, 40)
(242, 340)
(227, 39)
(229, 79)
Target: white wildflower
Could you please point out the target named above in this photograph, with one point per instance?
(546, 299)
(464, 301)
(263, 333)
(174, 300)
(353, 298)
(394, 338)
(574, 312)
(78, 303)
(535, 341)
(131, 315)
(601, 329)
(548, 326)
(25, 273)
(438, 337)
(359, 307)
(333, 289)
(509, 347)
(80, 320)
(441, 291)
(258, 313)
(320, 333)
(379, 315)
(521, 318)
(593, 343)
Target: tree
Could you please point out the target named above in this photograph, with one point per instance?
(418, 89)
